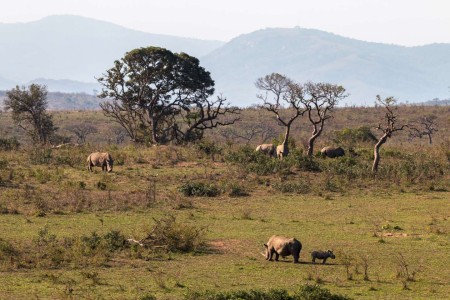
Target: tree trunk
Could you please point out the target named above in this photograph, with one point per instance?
(316, 134)
(376, 152)
(154, 128)
(286, 135)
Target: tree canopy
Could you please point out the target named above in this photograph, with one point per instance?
(160, 96)
(29, 111)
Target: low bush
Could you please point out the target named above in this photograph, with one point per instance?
(175, 236)
(292, 187)
(316, 292)
(306, 292)
(304, 162)
(209, 149)
(6, 249)
(199, 189)
(9, 144)
(40, 156)
(353, 136)
(236, 190)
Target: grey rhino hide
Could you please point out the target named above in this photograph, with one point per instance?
(282, 246)
(100, 159)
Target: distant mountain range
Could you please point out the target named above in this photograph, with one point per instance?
(76, 48)
(70, 52)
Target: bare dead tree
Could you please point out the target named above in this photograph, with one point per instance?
(248, 133)
(320, 106)
(424, 126)
(119, 134)
(203, 114)
(81, 131)
(286, 101)
(388, 127)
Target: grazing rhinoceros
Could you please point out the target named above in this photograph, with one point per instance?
(283, 246)
(322, 255)
(268, 149)
(100, 159)
(332, 152)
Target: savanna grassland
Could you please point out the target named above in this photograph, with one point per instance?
(202, 213)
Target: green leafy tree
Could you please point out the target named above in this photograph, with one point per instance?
(29, 111)
(160, 96)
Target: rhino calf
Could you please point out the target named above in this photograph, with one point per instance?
(283, 246)
(322, 255)
(100, 159)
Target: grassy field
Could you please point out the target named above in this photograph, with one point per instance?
(390, 232)
(64, 231)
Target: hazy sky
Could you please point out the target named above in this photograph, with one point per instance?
(403, 22)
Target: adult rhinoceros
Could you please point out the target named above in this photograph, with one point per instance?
(100, 159)
(282, 246)
(332, 152)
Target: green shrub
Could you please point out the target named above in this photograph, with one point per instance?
(175, 236)
(304, 162)
(236, 190)
(351, 167)
(101, 185)
(42, 176)
(316, 292)
(6, 249)
(307, 292)
(92, 242)
(3, 164)
(40, 156)
(292, 187)
(66, 158)
(254, 162)
(9, 144)
(208, 148)
(241, 295)
(114, 240)
(351, 136)
(199, 189)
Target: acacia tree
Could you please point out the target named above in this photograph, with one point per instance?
(161, 96)
(286, 101)
(425, 126)
(81, 131)
(323, 98)
(388, 127)
(29, 111)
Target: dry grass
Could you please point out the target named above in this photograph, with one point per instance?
(49, 202)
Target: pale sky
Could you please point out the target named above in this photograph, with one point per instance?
(402, 22)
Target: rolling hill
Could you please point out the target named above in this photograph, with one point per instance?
(67, 53)
(411, 74)
(76, 48)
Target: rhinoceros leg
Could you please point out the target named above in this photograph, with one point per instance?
(277, 256)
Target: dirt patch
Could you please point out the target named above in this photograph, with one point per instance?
(225, 246)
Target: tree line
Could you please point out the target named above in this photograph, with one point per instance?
(159, 97)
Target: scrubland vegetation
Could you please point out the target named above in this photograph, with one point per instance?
(189, 221)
